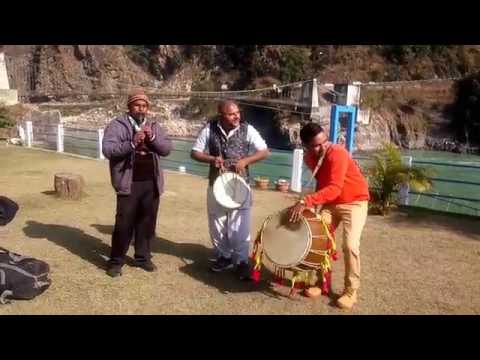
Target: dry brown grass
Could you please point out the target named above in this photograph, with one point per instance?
(412, 263)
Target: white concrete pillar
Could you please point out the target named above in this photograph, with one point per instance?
(297, 167)
(4, 84)
(315, 110)
(60, 138)
(29, 126)
(21, 134)
(100, 147)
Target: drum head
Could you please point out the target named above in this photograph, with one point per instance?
(286, 244)
(230, 190)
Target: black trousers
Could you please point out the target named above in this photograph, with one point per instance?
(136, 215)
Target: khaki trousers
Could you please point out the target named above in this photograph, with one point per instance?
(353, 216)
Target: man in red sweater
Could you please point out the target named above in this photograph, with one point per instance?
(342, 191)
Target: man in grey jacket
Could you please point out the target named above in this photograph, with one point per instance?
(134, 146)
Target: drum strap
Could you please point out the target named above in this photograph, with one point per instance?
(315, 171)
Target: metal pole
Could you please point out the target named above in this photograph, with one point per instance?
(352, 119)
(333, 124)
(404, 191)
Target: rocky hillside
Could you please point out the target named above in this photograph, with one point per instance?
(411, 116)
(61, 69)
(77, 69)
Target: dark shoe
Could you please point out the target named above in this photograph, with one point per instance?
(222, 264)
(244, 272)
(114, 271)
(146, 265)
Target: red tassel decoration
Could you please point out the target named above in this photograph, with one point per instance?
(300, 285)
(327, 282)
(278, 280)
(256, 276)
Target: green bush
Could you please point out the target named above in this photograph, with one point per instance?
(389, 173)
(404, 53)
(295, 63)
(372, 99)
(6, 118)
(145, 56)
(139, 54)
(201, 108)
(285, 62)
(466, 110)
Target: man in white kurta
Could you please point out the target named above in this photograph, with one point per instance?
(227, 142)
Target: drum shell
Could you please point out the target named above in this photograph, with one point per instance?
(320, 239)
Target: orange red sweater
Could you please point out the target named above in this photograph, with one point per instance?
(339, 179)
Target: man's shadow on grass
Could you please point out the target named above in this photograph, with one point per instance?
(196, 265)
(194, 256)
(76, 241)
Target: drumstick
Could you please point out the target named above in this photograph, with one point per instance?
(235, 188)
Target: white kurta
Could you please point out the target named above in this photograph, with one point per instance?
(230, 229)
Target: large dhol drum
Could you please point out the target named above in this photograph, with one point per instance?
(297, 246)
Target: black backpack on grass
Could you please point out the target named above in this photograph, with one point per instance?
(21, 277)
(8, 209)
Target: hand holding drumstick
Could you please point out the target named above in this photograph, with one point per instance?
(218, 162)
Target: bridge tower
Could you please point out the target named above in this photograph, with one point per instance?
(4, 84)
(343, 113)
(7, 96)
(315, 107)
(346, 108)
(309, 101)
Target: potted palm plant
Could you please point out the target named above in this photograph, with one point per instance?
(389, 173)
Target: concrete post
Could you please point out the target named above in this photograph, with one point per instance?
(29, 133)
(297, 167)
(7, 96)
(4, 84)
(315, 109)
(100, 141)
(60, 138)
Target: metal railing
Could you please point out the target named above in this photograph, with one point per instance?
(456, 193)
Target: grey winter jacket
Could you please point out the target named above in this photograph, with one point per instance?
(117, 146)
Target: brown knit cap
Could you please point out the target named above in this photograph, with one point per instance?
(137, 94)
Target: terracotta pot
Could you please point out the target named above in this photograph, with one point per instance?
(282, 186)
(262, 183)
